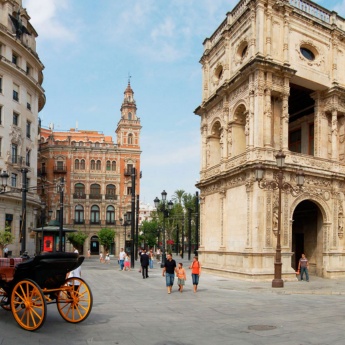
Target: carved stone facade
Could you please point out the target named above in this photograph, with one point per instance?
(272, 81)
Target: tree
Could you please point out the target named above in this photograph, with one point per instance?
(178, 196)
(77, 239)
(6, 237)
(149, 232)
(106, 238)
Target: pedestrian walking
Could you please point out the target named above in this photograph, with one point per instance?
(107, 258)
(169, 271)
(144, 262)
(151, 257)
(196, 271)
(158, 255)
(101, 259)
(88, 253)
(181, 276)
(303, 266)
(127, 263)
(6, 252)
(122, 256)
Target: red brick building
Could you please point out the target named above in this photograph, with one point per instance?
(97, 174)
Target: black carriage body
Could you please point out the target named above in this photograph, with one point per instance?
(47, 270)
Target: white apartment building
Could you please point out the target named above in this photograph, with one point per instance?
(21, 99)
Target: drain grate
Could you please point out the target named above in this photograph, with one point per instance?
(261, 327)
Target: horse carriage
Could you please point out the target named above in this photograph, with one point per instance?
(27, 287)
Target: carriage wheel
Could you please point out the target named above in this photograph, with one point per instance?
(74, 303)
(4, 302)
(28, 305)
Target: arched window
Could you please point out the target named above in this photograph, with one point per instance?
(81, 143)
(79, 191)
(79, 215)
(93, 165)
(82, 164)
(113, 165)
(129, 116)
(110, 192)
(108, 165)
(97, 144)
(110, 215)
(76, 164)
(95, 191)
(94, 215)
(130, 139)
(98, 165)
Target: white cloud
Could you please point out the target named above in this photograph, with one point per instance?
(166, 29)
(46, 19)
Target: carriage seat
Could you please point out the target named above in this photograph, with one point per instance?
(7, 267)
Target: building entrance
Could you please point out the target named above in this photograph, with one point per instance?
(94, 244)
(307, 236)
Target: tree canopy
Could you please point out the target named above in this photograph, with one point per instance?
(106, 238)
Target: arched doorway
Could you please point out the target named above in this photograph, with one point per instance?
(94, 245)
(307, 236)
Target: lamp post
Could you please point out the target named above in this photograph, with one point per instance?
(43, 210)
(61, 187)
(164, 207)
(281, 185)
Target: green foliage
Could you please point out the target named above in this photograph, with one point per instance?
(149, 232)
(77, 239)
(6, 237)
(106, 238)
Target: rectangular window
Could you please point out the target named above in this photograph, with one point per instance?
(16, 92)
(1, 108)
(129, 190)
(14, 58)
(28, 129)
(28, 101)
(13, 180)
(28, 69)
(15, 119)
(14, 150)
(295, 141)
(0, 84)
(0, 147)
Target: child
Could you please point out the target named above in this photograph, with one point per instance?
(107, 258)
(181, 277)
(196, 271)
(127, 263)
(101, 260)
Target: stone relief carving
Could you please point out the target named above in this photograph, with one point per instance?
(319, 58)
(16, 135)
(340, 221)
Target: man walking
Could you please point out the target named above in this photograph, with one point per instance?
(144, 261)
(303, 266)
(122, 259)
(169, 271)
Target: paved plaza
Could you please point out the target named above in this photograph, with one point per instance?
(129, 310)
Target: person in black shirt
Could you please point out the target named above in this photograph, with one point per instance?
(144, 261)
(169, 271)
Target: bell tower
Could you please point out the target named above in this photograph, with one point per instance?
(128, 128)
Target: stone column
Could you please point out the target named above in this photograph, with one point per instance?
(260, 25)
(268, 30)
(286, 38)
(335, 58)
(334, 134)
(203, 147)
(268, 119)
(258, 109)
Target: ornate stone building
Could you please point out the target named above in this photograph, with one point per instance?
(273, 80)
(21, 99)
(97, 174)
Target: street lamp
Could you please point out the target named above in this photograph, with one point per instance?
(43, 209)
(163, 207)
(4, 176)
(281, 185)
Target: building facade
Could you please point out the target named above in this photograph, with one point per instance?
(272, 80)
(21, 99)
(97, 175)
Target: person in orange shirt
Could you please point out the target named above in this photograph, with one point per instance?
(196, 271)
(181, 277)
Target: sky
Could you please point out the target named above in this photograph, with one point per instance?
(90, 48)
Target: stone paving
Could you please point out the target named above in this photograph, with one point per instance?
(129, 310)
